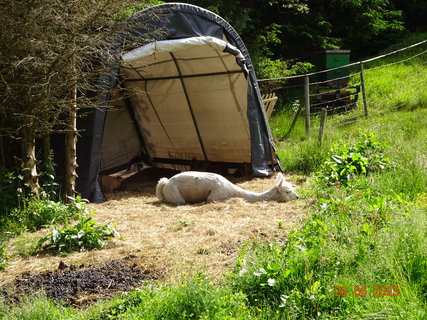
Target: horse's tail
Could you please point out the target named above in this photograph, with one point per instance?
(159, 188)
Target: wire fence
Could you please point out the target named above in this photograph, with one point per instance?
(351, 92)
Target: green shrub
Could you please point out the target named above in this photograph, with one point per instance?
(12, 189)
(349, 160)
(20, 210)
(85, 235)
(284, 280)
(48, 180)
(40, 212)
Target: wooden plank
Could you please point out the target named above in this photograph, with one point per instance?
(269, 100)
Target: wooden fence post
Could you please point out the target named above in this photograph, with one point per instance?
(362, 83)
(294, 121)
(322, 126)
(307, 103)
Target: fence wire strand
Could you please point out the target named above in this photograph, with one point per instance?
(398, 62)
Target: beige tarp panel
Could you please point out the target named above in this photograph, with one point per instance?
(164, 119)
(115, 146)
(221, 116)
(190, 103)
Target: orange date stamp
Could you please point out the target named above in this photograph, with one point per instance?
(363, 291)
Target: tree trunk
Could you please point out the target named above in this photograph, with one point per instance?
(29, 146)
(70, 149)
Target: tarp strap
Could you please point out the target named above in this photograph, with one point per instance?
(189, 105)
(184, 76)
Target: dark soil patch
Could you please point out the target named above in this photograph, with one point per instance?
(80, 285)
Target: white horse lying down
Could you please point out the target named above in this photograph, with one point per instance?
(194, 186)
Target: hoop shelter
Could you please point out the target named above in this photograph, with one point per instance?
(188, 96)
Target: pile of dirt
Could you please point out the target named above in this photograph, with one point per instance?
(80, 285)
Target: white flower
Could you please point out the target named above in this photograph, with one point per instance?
(260, 272)
(271, 282)
(284, 299)
(242, 272)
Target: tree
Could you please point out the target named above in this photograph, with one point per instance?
(53, 51)
(414, 13)
(292, 30)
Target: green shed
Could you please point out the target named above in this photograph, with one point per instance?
(330, 59)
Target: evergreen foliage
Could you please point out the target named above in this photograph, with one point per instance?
(294, 30)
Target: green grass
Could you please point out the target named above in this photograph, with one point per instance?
(411, 80)
(353, 239)
(38, 212)
(36, 307)
(197, 298)
(369, 234)
(391, 85)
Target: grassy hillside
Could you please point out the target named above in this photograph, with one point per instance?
(362, 251)
(362, 235)
(362, 254)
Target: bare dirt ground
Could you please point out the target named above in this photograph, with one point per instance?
(160, 242)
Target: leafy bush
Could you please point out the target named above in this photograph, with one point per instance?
(12, 189)
(285, 280)
(349, 160)
(48, 179)
(85, 235)
(21, 210)
(40, 212)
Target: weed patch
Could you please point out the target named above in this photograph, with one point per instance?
(198, 298)
(37, 212)
(85, 235)
(349, 160)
